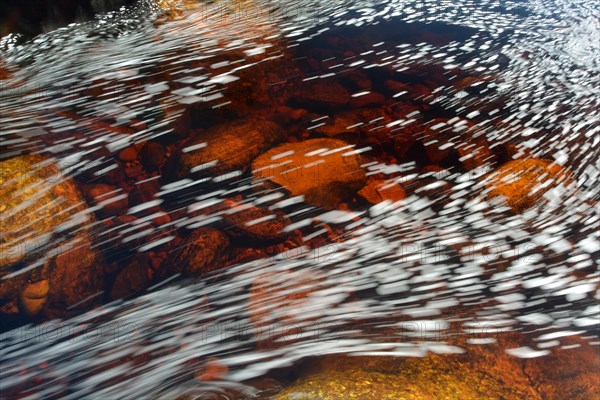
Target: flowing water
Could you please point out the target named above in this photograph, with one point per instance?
(407, 278)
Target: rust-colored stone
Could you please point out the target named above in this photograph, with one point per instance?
(316, 169)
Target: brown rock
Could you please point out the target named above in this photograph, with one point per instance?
(395, 87)
(35, 200)
(357, 78)
(202, 251)
(131, 280)
(34, 297)
(342, 123)
(222, 149)
(76, 280)
(144, 192)
(442, 137)
(153, 156)
(475, 154)
(316, 169)
(257, 224)
(371, 99)
(321, 93)
(213, 370)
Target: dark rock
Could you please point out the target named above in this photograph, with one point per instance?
(371, 99)
(476, 154)
(134, 170)
(131, 280)
(112, 234)
(153, 156)
(319, 94)
(441, 139)
(202, 251)
(144, 192)
(257, 224)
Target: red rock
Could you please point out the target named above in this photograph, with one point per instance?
(77, 275)
(133, 169)
(372, 99)
(111, 199)
(144, 192)
(442, 138)
(222, 149)
(357, 78)
(297, 113)
(128, 154)
(419, 92)
(131, 280)
(161, 220)
(476, 154)
(212, 371)
(395, 87)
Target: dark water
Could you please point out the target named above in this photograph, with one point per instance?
(535, 65)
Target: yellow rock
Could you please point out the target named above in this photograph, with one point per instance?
(481, 372)
(35, 198)
(33, 299)
(523, 182)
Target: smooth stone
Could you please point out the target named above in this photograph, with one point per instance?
(202, 251)
(222, 149)
(313, 169)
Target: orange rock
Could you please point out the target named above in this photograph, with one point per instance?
(522, 183)
(376, 191)
(128, 154)
(322, 170)
(214, 370)
(109, 198)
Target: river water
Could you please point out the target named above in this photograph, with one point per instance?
(386, 288)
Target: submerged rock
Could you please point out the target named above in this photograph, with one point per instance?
(202, 251)
(222, 149)
(131, 280)
(110, 199)
(35, 201)
(482, 372)
(153, 155)
(76, 278)
(41, 211)
(257, 224)
(376, 191)
(523, 183)
(317, 94)
(324, 171)
(34, 297)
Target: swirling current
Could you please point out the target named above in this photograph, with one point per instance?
(399, 267)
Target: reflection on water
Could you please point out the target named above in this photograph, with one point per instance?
(330, 179)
